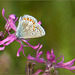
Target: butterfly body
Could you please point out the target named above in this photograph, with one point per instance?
(28, 27)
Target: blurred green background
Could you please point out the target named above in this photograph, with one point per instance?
(58, 19)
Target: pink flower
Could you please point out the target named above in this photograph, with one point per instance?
(10, 24)
(51, 63)
(38, 59)
(39, 22)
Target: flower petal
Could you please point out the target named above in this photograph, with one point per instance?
(39, 22)
(19, 50)
(70, 63)
(3, 11)
(37, 72)
(53, 56)
(12, 24)
(66, 65)
(34, 47)
(40, 47)
(30, 57)
(38, 54)
(16, 20)
(12, 16)
(48, 55)
(45, 74)
(7, 39)
(40, 60)
(62, 59)
(2, 48)
(11, 40)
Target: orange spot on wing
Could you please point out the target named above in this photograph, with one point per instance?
(34, 23)
(24, 18)
(30, 20)
(33, 28)
(37, 28)
(27, 18)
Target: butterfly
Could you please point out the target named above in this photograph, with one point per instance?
(28, 27)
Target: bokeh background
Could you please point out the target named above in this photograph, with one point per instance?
(58, 20)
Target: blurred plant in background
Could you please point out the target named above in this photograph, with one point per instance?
(5, 63)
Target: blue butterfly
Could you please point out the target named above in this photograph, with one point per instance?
(28, 27)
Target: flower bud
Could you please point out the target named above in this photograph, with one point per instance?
(29, 67)
(1, 35)
(11, 19)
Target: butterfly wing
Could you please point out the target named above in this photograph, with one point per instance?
(29, 28)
